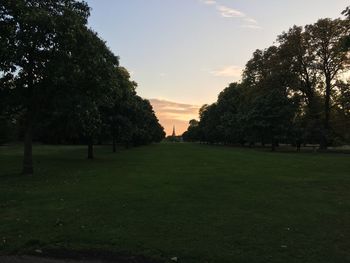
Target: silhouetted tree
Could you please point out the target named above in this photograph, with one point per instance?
(330, 59)
(32, 33)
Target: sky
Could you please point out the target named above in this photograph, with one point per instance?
(182, 53)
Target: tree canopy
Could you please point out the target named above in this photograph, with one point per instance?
(291, 92)
(60, 83)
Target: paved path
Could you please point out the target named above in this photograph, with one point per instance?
(27, 259)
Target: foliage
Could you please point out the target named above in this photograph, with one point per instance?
(291, 93)
(59, 80)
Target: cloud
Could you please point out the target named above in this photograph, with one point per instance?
(209, 2)
(251, 26)
(172, 113)
(228, 71)
(228, 12)
(250, 20)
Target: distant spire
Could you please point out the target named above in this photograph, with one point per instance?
(174, 133)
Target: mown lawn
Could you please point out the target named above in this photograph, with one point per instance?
(195, 202)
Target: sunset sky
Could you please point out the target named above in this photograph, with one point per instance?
(182, 53)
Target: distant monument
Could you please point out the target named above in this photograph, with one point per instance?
(174, 133)
(174, 137)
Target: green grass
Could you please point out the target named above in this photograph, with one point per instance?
(198, 203)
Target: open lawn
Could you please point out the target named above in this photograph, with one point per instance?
(195, 202)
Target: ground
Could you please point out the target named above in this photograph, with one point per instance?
(195, 202)
(27, 259)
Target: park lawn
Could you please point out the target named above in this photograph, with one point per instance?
(196, 202)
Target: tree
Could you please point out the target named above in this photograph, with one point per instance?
(230, 102)
(346, 13)
(145, 126)
(192, 133)
(326, 45)
(96, 81)
(341, 112)
(209, 126)
(33, 32)
(270, 107)
(298, 57)
(261, 108)
(131, 119)
(270, 117)
(295, 52)
(290, 92)
(116, 116)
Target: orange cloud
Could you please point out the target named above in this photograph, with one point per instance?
(173, 113)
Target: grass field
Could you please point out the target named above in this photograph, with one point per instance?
(195, 202)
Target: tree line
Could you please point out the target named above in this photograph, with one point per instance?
(60, 83)
(293, 92)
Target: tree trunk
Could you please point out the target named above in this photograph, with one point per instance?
(114, 144)
(273, 144)
(28, 148)
(28, 124)
(91, 149)
(327, 109)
